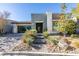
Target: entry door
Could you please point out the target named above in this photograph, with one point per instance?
(39, 27)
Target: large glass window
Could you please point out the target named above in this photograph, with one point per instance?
(28, 27)
(22, 29)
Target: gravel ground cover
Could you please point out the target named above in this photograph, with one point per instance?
(9, 44)
(46, 48)
(8, 41)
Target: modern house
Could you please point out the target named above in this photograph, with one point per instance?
(40, 22)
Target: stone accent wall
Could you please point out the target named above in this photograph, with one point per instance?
(39, 18)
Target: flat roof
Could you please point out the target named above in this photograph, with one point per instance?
(21, 22)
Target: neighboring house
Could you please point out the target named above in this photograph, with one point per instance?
(21, 27)
(40, 22)
(5, 26)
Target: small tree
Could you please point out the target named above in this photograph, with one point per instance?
(3, 20)
(61, 26)
(4, 14)
(3, 23)
(66, 26)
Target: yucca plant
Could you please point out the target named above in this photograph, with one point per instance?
(45, 34)
(33, 32)
(28, 36)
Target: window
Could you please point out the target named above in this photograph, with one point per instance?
(21, 29)
(28, 27)
(54, 23)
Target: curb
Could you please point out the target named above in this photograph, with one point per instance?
(36, 53)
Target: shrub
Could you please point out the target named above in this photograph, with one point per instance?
(29, 36)
(53, 40)
(33, 32)
(75, 43)
(75, 35)
(71, 26)
(30, 33)
(66, 26)
(45, 34)
(28, 41)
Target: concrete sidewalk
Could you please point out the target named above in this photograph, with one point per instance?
(24, 53)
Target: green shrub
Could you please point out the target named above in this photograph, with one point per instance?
(53, 40)
(28, 36)
(45, 34)
(28, 41)
(33, 32)
(66, 26)
(75, 35)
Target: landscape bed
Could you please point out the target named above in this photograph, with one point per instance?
(52, 46)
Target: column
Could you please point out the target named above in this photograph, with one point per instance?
(14, 28)
(49, 22)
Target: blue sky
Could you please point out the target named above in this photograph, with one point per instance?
(23, 11)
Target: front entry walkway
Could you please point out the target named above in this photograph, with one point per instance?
(39, 41)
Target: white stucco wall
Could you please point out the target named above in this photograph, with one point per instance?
(14, 28)
(73, 17)
(49, 22)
